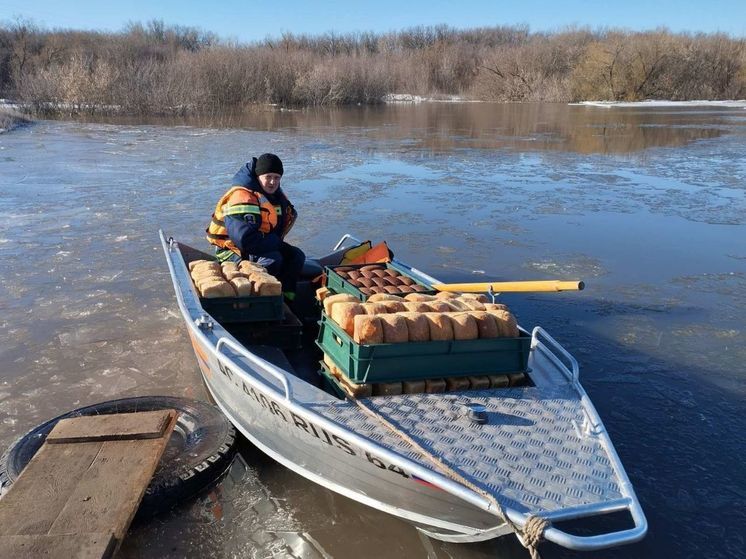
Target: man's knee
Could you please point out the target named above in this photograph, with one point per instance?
(272, 261)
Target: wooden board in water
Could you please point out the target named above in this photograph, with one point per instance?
(88, 489)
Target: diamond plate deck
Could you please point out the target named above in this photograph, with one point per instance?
(529, 455)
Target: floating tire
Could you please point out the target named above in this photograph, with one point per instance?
(199, 452)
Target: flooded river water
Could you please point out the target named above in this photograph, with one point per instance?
(648, 206)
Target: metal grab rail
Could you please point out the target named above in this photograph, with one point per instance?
(262, 363)
(548, 347)
(346, 236)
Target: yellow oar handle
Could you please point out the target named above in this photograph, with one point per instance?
(512, 286)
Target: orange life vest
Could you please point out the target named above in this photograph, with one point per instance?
(239, 201)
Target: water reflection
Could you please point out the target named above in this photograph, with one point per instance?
(441, 127)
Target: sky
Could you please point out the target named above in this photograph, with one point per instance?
(251, 20)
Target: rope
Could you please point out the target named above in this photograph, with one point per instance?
(533, 530)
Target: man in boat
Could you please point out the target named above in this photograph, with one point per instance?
(251, 220)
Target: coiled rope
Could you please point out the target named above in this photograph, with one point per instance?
(533, 530)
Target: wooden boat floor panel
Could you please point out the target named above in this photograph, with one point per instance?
(531, 454)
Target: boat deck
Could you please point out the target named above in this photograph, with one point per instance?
(531, 454)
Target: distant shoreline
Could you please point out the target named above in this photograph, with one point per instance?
(10, 118)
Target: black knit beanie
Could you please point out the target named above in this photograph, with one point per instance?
(268, 163)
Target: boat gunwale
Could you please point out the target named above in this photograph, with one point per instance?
(570, 541)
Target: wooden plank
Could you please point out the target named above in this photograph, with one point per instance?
(110, 427)
(88, 490)
(44, 487)
(67, 546)
(107, 497)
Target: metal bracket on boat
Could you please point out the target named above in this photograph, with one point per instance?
(492, 294)
(171, 244)
(204, 322)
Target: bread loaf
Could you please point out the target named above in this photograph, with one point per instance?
(232, 266)
(217, 289)
(457, 304)
(344, 314)
(495, 307)
(414, 306)
(267, 286)
(395, 306)
(387, 389)
(194, 263)
(391, 289)
(473, 304)
(242, 286)
(365, 282)
(413, 386)
(394, 328)
(404, 280)
(200, 282)
(464, 326)
(231, 274)
(380, 282)
(454, 384)
(446, 295)
(419, 297)
(441, 328)
(322, 293)
(498, 381)
(383, 297)
(380, 273)
(356, 390)
(375, 308)
(331, 300)
(371, 267)
(481, 297)
(435, 385)
(439, 306)
(367, 329)
(418, 287)
(479, 383)
(486, 324)
(507, 324)
(418, 327)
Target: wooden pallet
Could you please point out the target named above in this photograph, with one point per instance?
(79, 493)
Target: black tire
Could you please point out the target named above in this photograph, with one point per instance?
(199, 452)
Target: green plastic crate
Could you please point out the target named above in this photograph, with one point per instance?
(244, 309)
(419, 360)
(338, 284)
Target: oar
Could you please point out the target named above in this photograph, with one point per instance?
(511, 286)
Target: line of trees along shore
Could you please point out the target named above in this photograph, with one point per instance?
(155, 68)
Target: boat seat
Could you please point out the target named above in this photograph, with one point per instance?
(311, 269)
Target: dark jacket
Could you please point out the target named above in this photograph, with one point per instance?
(243, 229)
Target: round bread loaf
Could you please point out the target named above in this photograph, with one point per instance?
(371, 267)
(481, 297)
(344, 314)
(395, 306)
(331, 300)
(446, 295)
(406, 280)
(486, 324)
(366, 273)
(366, 291)
(418, 287)
(391, 272)
(419, 297)
(376, 289)
(464, 326)
(507, 323)
(391, 289)
(441, 327)
(394, 328)
(354, 274)
(367, 329)
(439, 306)
(384, 297)
(457, 304)
(405, 288)
(380, 282)
(495, 307)
(416, 306)
(380, 273)
(375, 308)
(473, 304)
(391, 281)
(418, 327)
(365, 282)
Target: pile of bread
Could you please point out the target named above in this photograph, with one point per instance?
(418, 317)
(377, 278)
(229, 279)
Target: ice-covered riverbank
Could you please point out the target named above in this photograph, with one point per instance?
(10, 117)
(662, 103)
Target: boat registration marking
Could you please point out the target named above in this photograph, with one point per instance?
(307, 427)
